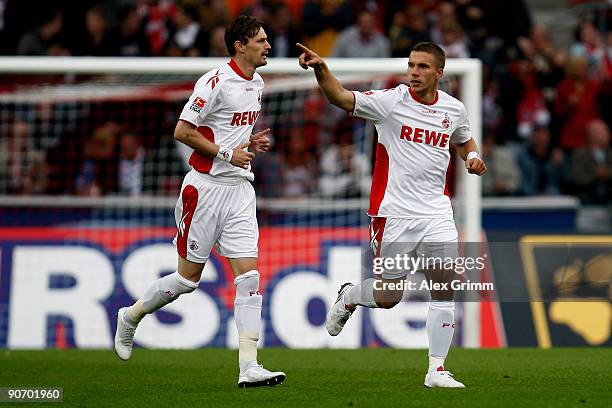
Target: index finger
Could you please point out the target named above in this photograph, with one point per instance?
(263, 132)
(303, 47)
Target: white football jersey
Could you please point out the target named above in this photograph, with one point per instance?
(224, 107)
(412, 154)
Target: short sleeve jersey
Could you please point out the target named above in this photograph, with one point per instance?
(412, 154)
(224, 107)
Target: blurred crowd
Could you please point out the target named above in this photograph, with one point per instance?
(546, 107)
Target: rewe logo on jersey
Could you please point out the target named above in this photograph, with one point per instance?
(425, 136)
(244, 118)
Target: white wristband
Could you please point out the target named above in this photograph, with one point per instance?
(472, 155)
(225, 154)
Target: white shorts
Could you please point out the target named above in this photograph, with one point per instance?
(432, 238)
(210, 212)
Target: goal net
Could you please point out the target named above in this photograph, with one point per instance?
(90, 173)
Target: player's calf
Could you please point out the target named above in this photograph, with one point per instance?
(247, 314)
(159, 294)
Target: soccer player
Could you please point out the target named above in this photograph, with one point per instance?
(217, 201)
(409, 212)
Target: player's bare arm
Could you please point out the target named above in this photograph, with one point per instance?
(332, 88)
(469, 153)
(186, 133)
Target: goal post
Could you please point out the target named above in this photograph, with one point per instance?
(288, 77)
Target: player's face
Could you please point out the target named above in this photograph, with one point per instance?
(423, 71)
(256, 50)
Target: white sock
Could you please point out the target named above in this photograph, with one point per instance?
(440, 330)
(361, 294)
(247, 314)
(160, 293)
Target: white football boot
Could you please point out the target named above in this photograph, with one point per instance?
(338, 314)
(124, 336)
(440, 378)
(257, 376)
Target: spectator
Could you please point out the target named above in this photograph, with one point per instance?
(98, 173)
(190, 39)
(576, 103)
(345, 172)
(163, 168)
(44, 40)
(408, 29)
(131, 161)
(361, 40)
(22, 167)
(454, 41)
(473, 18)
(503, 176)
(217, 47)
(446, 13)
(98, 40)
(132, 41)
(214, 13)
(323, 20)
(64, 161)
(532, 111)
(541, 165)
(270, 169)
(548, 62)
(282, 34)
(156, 14)
(592, 166)
(591, 45)
(300, 174)
(491, 111)
(318, 121)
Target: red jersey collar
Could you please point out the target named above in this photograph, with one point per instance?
(419, 100)
(238, 71)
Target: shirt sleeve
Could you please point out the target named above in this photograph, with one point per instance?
(375, 105)
(202, 101)
(462, 133)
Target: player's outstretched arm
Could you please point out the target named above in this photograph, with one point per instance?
(329, 84)
(473, 162)
(186, 133)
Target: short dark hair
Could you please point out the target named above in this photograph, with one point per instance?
(432, 49)
(241, 29)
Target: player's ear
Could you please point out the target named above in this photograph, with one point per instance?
(239, 46)
(440, 73)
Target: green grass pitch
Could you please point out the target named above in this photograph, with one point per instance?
(316, 378)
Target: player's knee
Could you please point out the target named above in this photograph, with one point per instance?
(387, 304)
(176, 286)
(443, 295)
(190, 270)
(387, 299)
(247, 284)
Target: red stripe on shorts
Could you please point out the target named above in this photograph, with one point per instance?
(377, 229)
(190, 201)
